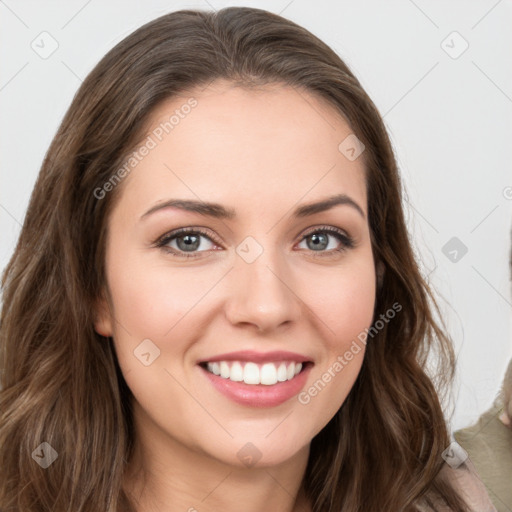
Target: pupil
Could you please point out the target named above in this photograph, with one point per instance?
(189, 243)
(319, 240)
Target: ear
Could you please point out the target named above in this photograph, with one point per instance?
(102, 318)
(380, 270)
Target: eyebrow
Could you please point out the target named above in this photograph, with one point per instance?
(218, 211)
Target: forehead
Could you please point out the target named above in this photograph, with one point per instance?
(238, 145)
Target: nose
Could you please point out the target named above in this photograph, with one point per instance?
(262, 293)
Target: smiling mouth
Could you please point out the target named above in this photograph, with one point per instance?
(253, 373)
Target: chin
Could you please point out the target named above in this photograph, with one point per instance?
(259, 452)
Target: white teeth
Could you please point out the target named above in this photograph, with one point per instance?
(251, 373)
(214, 368)
(268, 374)
(237, 372)
(224, 370)
(281, 373)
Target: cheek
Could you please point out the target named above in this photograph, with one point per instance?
(345, 301)
(150, 303)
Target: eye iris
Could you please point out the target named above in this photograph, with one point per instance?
(319, 240)
(191, 242)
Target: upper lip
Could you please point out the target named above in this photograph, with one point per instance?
(258, 357)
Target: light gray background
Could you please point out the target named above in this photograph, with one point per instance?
(449, 118)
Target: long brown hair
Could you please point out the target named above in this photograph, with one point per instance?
(60, 381)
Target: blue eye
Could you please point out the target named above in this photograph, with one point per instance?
(319, 240)
(189, 243)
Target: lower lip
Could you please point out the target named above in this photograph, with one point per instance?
(259, 395)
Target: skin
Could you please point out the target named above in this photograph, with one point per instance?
(261, 152)
(505, 417)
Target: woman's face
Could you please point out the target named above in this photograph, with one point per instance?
(271, 286)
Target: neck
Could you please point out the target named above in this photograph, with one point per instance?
(164, 475)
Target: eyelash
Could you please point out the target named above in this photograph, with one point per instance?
(347, 242)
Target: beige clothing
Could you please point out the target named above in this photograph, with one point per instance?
(469, 486)
(472, 488)
(489, 446)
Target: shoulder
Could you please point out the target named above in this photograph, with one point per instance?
(489, 445)
(488, 425)
(469, 485)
